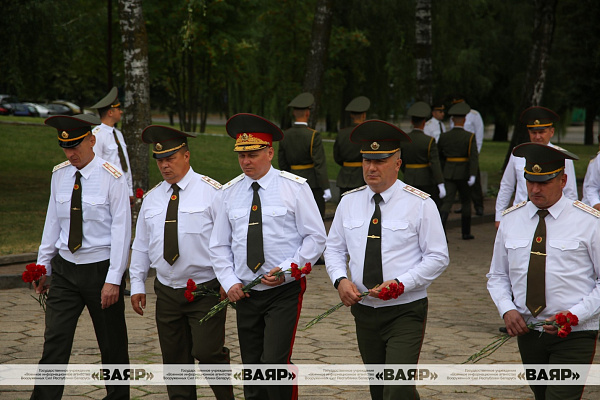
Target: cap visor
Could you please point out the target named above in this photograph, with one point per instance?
(540, 178)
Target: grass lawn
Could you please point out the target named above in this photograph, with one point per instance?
(28, 154)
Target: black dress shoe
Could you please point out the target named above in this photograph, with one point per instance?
(468, 237)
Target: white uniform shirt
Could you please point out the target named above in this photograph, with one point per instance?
(572, 263)
(106, 219)
(473, 124)
(107, 148)
(591, 183)
(434, 128)
(514, 175)
(413, 243)
(293, 231)
(195, 219)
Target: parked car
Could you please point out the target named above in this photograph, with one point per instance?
(40, 110)
(74, 107)
(8, 102)
(23, 110)
(4, 110)
(58, 109)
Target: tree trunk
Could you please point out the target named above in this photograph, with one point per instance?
(533, 90)
(423, 50)
(317, 56)
(137, 88)
(590, 115)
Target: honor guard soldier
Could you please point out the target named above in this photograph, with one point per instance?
(85, 248)
(393, 234)
(266, 220)
(460, 162)
(434, 127)
(546, 262)
(346, 153)
(302, 151)
(591, 184)
(420, 159)
(172, 235)
(110, 143)
(540, 125)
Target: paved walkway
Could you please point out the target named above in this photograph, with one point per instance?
(462, 319)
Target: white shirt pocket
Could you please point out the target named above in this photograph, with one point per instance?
(194, 219)
(356, 235)
(396, 230)
(238, 218)
(63, 206)
(94, 208)
(273, 220)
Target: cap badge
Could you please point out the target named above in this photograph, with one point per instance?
(536, 122)
(159, 146)
(64, 135)
(374, 146)
(537, 169)
(244, 136)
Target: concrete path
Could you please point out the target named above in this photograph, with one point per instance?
(462, 319)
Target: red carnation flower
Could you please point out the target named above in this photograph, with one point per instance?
(189, 295)
(191, 285)
(306, 269)
(573, 319)
(139, 193)
(561, 319)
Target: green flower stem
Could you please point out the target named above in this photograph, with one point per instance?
(319, 318)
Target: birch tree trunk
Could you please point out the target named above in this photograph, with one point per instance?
(423, 50)
(136, 114)
(317, 56)
(533, 89)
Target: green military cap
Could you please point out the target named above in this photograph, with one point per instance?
(359, 104)
(167, 141)
(458, 109)
(420, 110)
(542, 162)
(537, 118)
(438, 106)
(252, 132)
(72, 129)
(110, 100)
(303, 100)
(378, 139)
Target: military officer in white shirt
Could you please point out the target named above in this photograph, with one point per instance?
(85, 248)
(267, 220)
(410, 248)
(172, 235)
(591, 184)
(539, 121)
(110, 143)
(546, 261)
(435, 126)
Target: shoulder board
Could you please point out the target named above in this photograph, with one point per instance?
(358, 189)
(558, 147)
(292, 177)
(586, 208)
(61, 165)
(513, 208)
(211, 182)
(416, 192)
(112, 170)
(233, 181)
(148, 192)
(96, 129)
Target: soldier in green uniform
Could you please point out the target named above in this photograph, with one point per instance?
(346, 153)
(460, 161)
(301, 152)
(421, 162)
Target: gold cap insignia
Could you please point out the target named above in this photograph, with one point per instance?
(244, 136)
(536, 122)
(374, 146)
(537, 169)
(64, 135)
(159, 146)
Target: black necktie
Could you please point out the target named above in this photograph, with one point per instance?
(171, 242)
(372, 270)
(536, 274)
(76, 220)
(121, 153)
(441, 127)
(254, 246)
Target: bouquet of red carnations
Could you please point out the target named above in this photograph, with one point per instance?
(33, 273)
